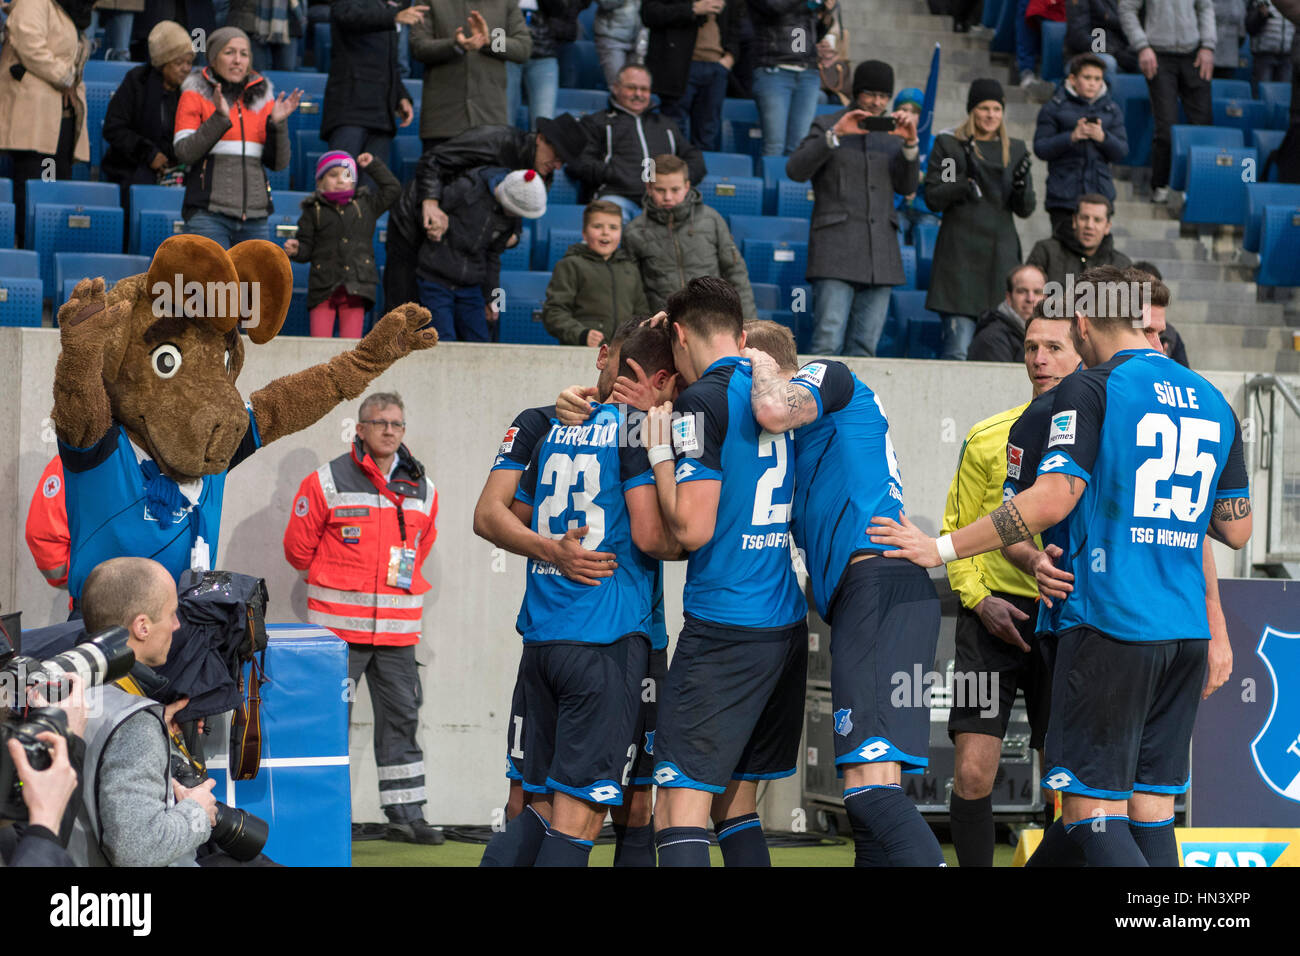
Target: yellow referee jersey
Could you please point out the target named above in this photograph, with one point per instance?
(975, 491)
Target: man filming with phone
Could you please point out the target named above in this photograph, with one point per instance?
(853, 253)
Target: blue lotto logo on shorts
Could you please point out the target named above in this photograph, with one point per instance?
(874, 749)
(844, 721)
(1276, 748)
(665, 775)
(601, 794)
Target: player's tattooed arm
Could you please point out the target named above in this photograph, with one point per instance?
(1010, 525)
(1231, 509)
(778, 405)
(1231, 521)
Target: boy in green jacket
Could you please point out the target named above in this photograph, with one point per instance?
(597, 285)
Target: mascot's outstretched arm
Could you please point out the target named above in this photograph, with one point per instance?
(93, 331)
(297, 401)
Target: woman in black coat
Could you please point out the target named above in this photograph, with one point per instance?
(141, 116)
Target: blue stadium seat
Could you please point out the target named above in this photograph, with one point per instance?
(297, 321)
(519, 257)
(1053, 38)
(924, 238)
(728, 164)
(1230, 89)
(581, 102)
(772, 169)
(794, 200)
(283, 223)
(893, 337)
(311, 84)
(6, 190)
(1258, 196)
(909, 267)
(98, 94)
(73, 228)
(1215, 190)
(924, 328)
(580, 66)
(7, 224)
(321, 46)
(379, 242)
(799, 324)
(1266, 141)
(1244, 115)
(1185, 137)
(107, 71)
(415, 90)
(557, 244)
(168, 199)
(521, 321)
(68, 193)
(775, 249)
(1130, 91)
(1279, 239)
(564, 191)
(587, 20)
(155, 226)
(767, 297)
(403, 156)
(308, 148)
(826, 109)
(740, 195)
(20, 288)
(560, 216)
(1278, 97)
(72, 267)
(740, 130)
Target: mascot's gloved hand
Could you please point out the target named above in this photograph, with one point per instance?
(93, 331)
(399, 333)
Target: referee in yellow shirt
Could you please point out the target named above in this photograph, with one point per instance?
(996, 623)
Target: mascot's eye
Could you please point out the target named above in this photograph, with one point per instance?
(166, 360)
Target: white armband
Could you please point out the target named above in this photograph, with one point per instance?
(947, 553)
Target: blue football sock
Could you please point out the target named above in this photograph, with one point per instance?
(1156, 841)
(634, 846)
(560, 849)
(741, 841)
(972, 830)
(1106, 841)
(683, 846)
(886, 815)
(1056, 848)
(518, 843)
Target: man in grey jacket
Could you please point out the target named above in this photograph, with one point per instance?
(853, 255)
(1175, 40)
(134, 813)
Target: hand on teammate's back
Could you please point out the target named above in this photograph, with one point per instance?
(577, 563)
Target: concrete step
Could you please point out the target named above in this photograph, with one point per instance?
(1264, 315)
(1175, 269)
(1248, 350)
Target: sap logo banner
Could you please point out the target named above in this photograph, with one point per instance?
(1232, 854)
(1276, 748)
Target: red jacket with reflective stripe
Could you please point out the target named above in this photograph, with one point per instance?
(342, 531)
(47, 526)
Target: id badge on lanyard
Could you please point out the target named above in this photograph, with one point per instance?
(401, 567)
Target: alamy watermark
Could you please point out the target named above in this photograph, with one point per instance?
(197, 300)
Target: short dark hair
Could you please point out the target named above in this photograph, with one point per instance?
(1160, 294)
(1108, 288)
(1149, 268)
(1095, 199)
(1011, 276)
(118, 590)
(1079, 61)
(650, 347)
(707, 307)
(773, 338)
(627, 328)
(600, 206)
(666, 164)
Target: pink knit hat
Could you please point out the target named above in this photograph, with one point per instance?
(334, 158)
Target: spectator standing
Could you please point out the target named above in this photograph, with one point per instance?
(336, 234)
(1000, 333)
(190, 14)
(978, 178)
(911, 206)
(141, 116)
(1270, 49)
(116, 17)
(465, 64)
(853, 251)
(1081, 243)
(267, 24)
(1230, 31)
(1082, 19)
(552, 24)
(1080, 132)
(678, 238)
(787, 83)
(596, 287)
(623, 141)
(620, 37)
(229, 126)
(42, 96)
(1175, 42)
(833, 58)
(364, 583)
(364, 95)
(693, 46)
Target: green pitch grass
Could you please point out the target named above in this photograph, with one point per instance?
(383, 853)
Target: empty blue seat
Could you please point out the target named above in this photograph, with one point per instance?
(739, 195)
(1053, 37)
(580, 66)
(775, 249)
(728, 164)
(1130, 91)
(799, 324)
(1278, 97)
(767, 297)
(924, 328)
(909, 267)
(297, 322)
(415, 90)
(587, 20)
(521, 321)
(923, 238)
(581, 102)
(772, 169)
(403, 157)
(1279, 240)
(311, 84)
(6, 190)
(73, 228)
(98, 93)
(1267, 141)
(564, 191)
(167, 199)
(7, 224)
(1244, 115)
(768, 227)
(107, 71)
(69, 193)
(794, 200)
(1230, 89)
(379, 241)
(1215, 189)
(893, 337)
(321, 44)
(21, 292)
(72, 267)
(308, 148)
(560, 216)
(1257, 197)
(557, 244)
(1184, 137)
(518, 258)
(283, 223)
(155, 226)
(740, 130)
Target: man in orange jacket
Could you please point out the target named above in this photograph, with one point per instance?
(47, 526)
(362, 527)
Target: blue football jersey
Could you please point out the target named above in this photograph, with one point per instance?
(520, 441)
(1157, 445)
(577, 477)
(846, 473)
(743, 577)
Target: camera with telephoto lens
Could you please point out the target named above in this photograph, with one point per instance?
(237, 832)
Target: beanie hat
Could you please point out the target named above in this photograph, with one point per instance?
(566, 136)
(217, 40)
(984, 89)
(336, 157)
(168, 41)
(909, 95)
(873, 76)
(522, 193)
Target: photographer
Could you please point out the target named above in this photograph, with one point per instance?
(853, 253)
(133, 813)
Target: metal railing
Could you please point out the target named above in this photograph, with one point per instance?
(1273, 403)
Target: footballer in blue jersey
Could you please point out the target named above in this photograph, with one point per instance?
(883, 612)
(731, 713)
(1142, 458)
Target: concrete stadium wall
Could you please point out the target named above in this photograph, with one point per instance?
(460, 398)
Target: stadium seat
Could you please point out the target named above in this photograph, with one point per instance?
(6, 190)
(7, 224)
(924, 328)
(311, 84)
(893, 337)
(1258, 196)
(772, 169)
(923, 238)
(1230, 89)
(98, 93)
(521, 321)
(581, 102)
(1265, 141)
(775, 249)
(519, 257)
(155, 226)
(415, 90)
(587, 20)
(1130, 91)
(580, 66)
(283, 223)
(107, 71)
(799, 324)
(794, 200)
(1279, 238)
(380, 241)
(558, 216)
(1244, 115)
(71, 267)
(1215, 186)
(168, 199)
(1053, 38)
(403, 156)
(1278, 98)
(20, 288)
(69, 193)
(1185, 137)
(73, 228)
(321, 46)
(909, 267)
(739, 195)
(728, 164)
(297, 322)
(740, 130)
(564, 191)
(557, 244)
(308, 148)
(826, 109)
(767, 297)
